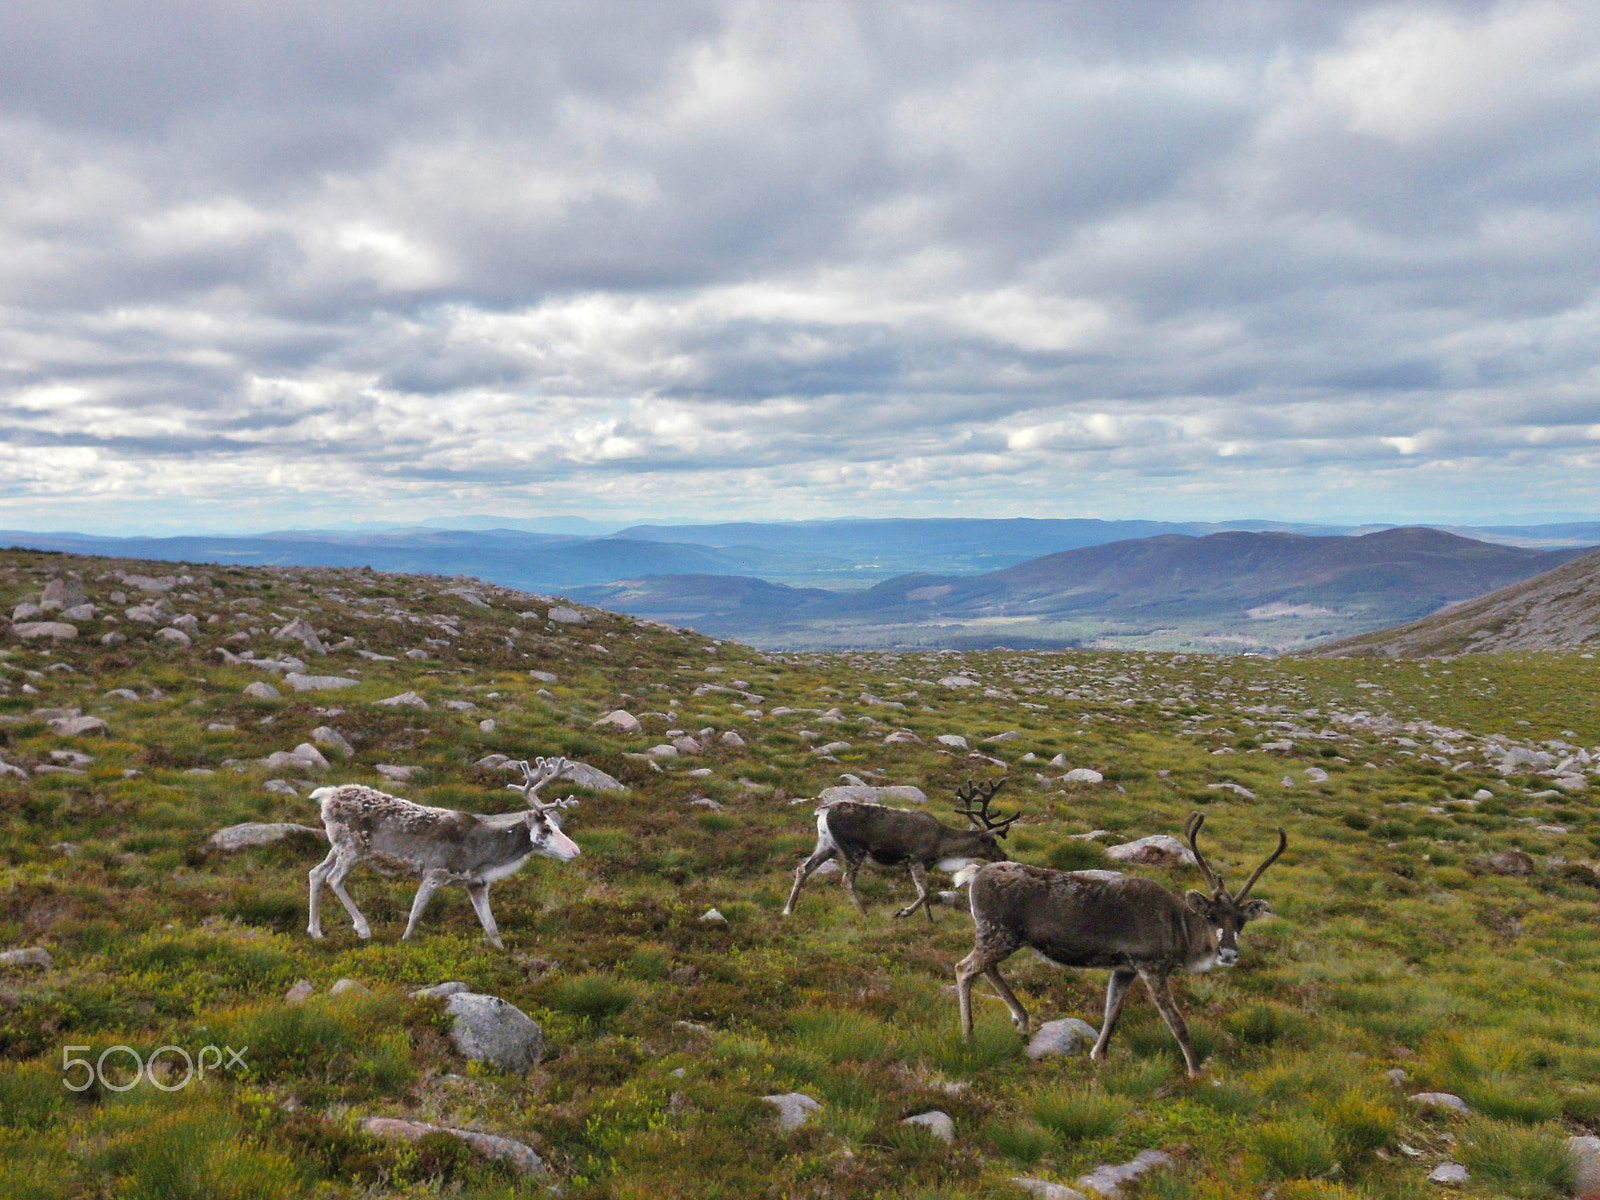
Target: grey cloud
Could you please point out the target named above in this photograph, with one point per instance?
(925, 255)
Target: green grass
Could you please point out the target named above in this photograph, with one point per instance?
(663, 1032)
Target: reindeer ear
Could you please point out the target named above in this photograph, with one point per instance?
(1199, 902)
(1251, 909)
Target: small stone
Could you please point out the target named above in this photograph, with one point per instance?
(1237, 789)
(440, 990)
(794, 1108)
(712, 916)
(1449, 1174)
(341, 986)
(833, 748)
(521, 1156)
(957, 681)
(1108, 1180)
(122, 694)
(730, 738)
(173, 637)
(30, 956)
(1584, 1155)
(593, 778)
(952, 739)
(1159, 850)
(80, 727)
(403, 700)
(487, 725)
(489, 1029)
(460, 706)
(1068, 1036)
(1440, 1101)
(621, 720)
(417, 655)
(1045, 1190)
(398, 774)
(1082, 775)
(1397, 1076)
(262, 833)
(319, 683)
(542, 677)
(662, 751)
(261, 691)
(300, 630)
(56, 631)
(299, 993)
(62, 593)
(331, 739)
(562, 615)
(1483, 794)
(937, 1123)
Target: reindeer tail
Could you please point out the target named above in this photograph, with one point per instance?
(966, 875)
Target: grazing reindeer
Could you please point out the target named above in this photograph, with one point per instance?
(894, 837)
(439, 844)
(1133, 926)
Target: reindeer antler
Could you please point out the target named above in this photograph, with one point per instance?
(1191, 830)
(535, 777)
(980, 816)
(1283, 844)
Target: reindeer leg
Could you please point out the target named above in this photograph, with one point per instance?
(478, 893)
(347, 858)
(319, 875)
(1019, 1015)
(1116, 993)
(968, 969)
(849, 878)
(803, 872)
(986, 955)
(918, 877)
(431, 881)
(1161, 992)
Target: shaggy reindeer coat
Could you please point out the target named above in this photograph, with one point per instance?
(440, 844)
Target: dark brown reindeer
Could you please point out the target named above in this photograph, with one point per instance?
(898, 837)
(1132, 926)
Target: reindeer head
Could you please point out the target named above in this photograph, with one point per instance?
(980, 817)
(1227, 912)
(544, 823)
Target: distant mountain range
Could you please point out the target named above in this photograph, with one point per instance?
(941, 582)
(1556, 610)
(1238, 590)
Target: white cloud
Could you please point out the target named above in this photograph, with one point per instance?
(837, 258)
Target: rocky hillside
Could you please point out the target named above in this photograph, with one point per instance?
(654, 1027)
(1556, 611)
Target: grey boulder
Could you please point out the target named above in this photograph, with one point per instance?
(491, 1030)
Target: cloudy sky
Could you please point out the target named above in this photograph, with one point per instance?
(275, 263)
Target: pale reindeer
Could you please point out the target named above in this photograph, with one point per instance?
(441, 845)
(1133, 926)
(899, 837)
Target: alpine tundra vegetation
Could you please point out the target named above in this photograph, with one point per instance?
(1422, 1005)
